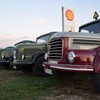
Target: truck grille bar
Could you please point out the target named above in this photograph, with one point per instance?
(88, 42)
(55, 50)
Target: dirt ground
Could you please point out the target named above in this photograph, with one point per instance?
(72, 93)
(79, 88)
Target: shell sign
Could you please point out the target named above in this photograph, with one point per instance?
(69, 15)
(68, 20)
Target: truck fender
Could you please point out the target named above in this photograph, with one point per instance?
(11, 58)
(96, 63)
(36, 55)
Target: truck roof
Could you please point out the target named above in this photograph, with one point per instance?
(25, 41)
(10, 47)
(46, 34)
(76, 35)
(92, 22)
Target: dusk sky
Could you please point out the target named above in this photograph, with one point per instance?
(28, 19)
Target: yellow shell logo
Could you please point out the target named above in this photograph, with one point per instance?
(70, 15)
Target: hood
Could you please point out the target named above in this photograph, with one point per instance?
(76, 35)
(78, 40)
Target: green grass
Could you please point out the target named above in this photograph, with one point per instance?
(16, 85)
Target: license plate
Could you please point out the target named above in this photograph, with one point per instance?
(48, 71)
(53, 62)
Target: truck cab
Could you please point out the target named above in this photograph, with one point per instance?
(29, 57)
(6, 56)
(76, 52)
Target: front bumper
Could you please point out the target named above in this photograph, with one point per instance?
(4, 62)
(21, 63)
(68, 67)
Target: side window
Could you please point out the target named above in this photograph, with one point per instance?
(43, 39)
(91, 28)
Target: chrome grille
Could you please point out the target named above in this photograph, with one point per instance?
(55, 50)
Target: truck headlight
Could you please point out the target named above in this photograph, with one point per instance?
(71, 57)
(14, 55)
(3, 57)
(23, 57)
(46, 56)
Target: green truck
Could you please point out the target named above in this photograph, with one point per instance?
(18, 48)
(29, 57)
(6, 56)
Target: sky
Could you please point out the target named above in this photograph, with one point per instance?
(28, 19)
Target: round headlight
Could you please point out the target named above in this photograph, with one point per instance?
(46, 56)
(3, 56)
(14, 54)
(71, 57)
(23, 57)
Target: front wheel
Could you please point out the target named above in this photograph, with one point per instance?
(38, 69)
(96, 82)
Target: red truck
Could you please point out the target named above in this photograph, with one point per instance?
(76, 52)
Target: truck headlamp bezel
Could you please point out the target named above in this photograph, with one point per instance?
(3, 57)
(71, 57)
(14, 54)
(46, 56)
(23, 57)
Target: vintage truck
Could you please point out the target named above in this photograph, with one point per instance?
(29, 57)
(6, 56)
(18, 48)
(76, 52)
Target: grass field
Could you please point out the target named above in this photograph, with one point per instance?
(16, 85)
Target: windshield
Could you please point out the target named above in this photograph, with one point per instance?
(91, 28)
(43, 39)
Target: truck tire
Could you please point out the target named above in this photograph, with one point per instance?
(96, 82)
(38, 69)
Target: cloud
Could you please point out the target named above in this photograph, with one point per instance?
(11, 39)
(25, 37)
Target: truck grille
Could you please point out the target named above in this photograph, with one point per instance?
(55, 50)
(29, 51)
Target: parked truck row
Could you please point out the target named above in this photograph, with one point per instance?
(27, 55)
(59, 52)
